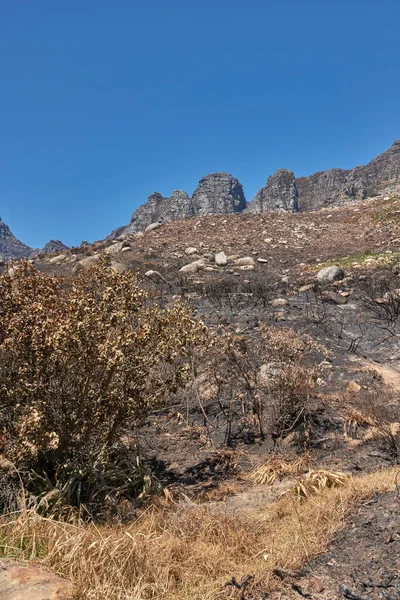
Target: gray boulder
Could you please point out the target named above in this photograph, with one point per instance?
(330, 274)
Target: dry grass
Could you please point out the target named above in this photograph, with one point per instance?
(278, 467)
(315, 481)
(189, 552)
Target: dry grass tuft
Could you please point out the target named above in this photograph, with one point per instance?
(189, 552)
(278, 467)
(316, 481)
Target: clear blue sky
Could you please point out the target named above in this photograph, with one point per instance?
(104, 101)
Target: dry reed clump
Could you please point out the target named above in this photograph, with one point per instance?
(278, 467)
(315, 481)
(190, 552)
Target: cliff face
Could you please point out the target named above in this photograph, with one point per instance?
(338, 185)
(10, 246)
(218, 193)
(279, 194)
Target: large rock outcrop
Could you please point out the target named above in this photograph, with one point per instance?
(159, 209)
(218, 193)
(279, 194)
(10, 246)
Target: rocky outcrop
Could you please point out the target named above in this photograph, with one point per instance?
(218, 193)
(53, 246)
(221, 193)
(159, 209)
(10, 246)
(279, 194)
(338, 185)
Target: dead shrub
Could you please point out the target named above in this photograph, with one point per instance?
(253, 387)
(82, 362)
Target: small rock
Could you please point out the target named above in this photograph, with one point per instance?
(139, 234)
(126, 249)
(330, 274)
(353, 387)
(245, 261)
(221, 260)
(262, 260)
(279, 302)
(305, 288)
(246, 268)
(268, 240)
(191, 250)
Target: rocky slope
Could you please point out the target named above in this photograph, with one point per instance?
(221, 193)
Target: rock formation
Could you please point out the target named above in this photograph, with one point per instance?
(158, 209)
(218, 193)
(53, 246)
(337, 186)
(10, 246)
(279, 194)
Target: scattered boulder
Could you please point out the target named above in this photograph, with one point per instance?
(56, 260)
(191, 250)
(88, 262)
(190, 269)
(246, 260)
(152, 227)
(221, 260)
(114, 248)
(31, 582)
(330, 274)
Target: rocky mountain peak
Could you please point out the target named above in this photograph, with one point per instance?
(10, 246)
(279, 194)
(53, 246)
(218, 193)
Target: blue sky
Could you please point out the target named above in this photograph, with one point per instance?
(103, 102)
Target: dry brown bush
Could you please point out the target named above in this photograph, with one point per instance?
(259, 386)
(82, 361)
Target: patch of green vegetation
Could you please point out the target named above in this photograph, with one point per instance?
(388, 213)
(382, 258)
